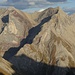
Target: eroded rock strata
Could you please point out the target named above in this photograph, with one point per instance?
(38, 44)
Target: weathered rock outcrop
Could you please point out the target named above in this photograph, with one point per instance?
(13, 28)
(6, 68)
(48, 48)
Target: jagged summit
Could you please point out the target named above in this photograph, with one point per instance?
(15, 24)
(11, 7)
(49, 13)
(42, 43)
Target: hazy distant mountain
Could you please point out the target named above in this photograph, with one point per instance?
(13, 0)
(56, 0)
(36, 0)
(24, 0)
(22, 4)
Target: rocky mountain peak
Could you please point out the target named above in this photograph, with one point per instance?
(15, 24)
(48, 13)
(47, 48)
(11, 8)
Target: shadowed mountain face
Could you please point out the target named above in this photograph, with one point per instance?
(38, 44)
(31, 67)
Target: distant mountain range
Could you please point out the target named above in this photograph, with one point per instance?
(56, 0)
(35, 0)
(22, 4)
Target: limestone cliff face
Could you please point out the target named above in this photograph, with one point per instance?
(6, 68)
(51, 42)
(14, 27)
(47, 42)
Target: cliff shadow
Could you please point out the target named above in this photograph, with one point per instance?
(27, 66)
(5, 19)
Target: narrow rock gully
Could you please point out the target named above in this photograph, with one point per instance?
(28, 40)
